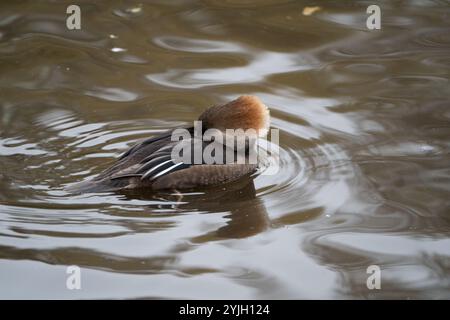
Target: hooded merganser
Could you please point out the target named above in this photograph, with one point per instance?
(150, 163)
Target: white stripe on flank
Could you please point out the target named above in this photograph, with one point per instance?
(166, 170)
(154, 168)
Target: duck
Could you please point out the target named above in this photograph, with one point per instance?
(150, 163)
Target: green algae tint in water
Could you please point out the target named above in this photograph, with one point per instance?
(364, 120)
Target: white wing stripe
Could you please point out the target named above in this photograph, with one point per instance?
(154, 168)
(166, 170)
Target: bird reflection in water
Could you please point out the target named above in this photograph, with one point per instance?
(247, 215)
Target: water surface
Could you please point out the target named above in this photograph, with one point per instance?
(364, 120)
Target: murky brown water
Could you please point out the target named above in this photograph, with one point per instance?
(365, 139)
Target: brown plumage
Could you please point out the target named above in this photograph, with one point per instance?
(149, 164)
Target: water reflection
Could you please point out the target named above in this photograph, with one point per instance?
(245, 214)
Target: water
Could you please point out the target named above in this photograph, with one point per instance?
(364, 125)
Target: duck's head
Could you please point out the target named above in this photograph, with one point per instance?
(246, 112)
